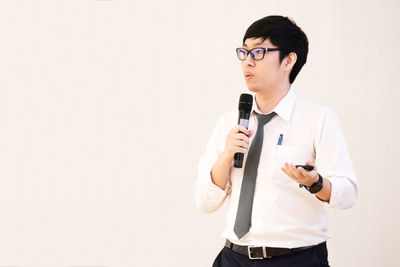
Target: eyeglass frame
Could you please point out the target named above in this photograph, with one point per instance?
(252, 55)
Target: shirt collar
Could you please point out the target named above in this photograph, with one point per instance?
(285, 106)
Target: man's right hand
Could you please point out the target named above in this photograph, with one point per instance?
(237, 141)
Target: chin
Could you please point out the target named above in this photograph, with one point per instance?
(252, 88)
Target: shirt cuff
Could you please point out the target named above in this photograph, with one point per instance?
(208, 196)
(343, 193)
(227, 189)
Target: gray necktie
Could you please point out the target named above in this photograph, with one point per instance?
(243, 216)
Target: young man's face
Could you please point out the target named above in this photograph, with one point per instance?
(266, 74)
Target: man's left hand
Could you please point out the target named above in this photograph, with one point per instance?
(300, 175)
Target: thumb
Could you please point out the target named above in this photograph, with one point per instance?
(251, 133)
(310, 163)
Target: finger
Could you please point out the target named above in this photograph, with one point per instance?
(241, 136)
(289, 170)
(285, 170)
(303, 172)
(295, 172)
(240, 143)
(238, 149)
(243, 129)
(237, 129)
(289, 173)
(290, 167)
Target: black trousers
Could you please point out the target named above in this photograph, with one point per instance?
(313, 257)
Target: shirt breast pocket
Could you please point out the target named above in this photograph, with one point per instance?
(290, 154)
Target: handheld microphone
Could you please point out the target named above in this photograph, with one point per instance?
(245, 105)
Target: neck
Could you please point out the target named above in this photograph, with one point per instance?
(266, 101)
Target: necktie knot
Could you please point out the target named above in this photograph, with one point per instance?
(263, 119)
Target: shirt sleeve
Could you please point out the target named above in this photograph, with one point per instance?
(207, 195)
(333, 162)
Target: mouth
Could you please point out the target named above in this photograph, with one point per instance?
(248, 76)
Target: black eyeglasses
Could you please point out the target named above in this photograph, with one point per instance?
(256, 53)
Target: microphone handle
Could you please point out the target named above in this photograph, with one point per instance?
(244, 121)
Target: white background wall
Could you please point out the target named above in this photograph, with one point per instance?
(106, 107)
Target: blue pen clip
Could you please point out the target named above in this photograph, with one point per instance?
(280, 139)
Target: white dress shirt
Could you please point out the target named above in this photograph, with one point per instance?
(283, 215)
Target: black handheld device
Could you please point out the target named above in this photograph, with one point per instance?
(245, 105)
(306, 167)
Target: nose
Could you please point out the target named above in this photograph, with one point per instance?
(249, 61)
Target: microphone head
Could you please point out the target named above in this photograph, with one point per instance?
(245, 102)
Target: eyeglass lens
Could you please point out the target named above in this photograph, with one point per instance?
(256, 53)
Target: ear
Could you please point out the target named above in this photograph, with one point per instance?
(290, 61)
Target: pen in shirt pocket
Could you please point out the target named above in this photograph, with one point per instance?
(280, 139)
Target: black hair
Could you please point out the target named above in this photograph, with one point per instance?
(285, 34)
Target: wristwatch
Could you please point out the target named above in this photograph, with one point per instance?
(315, 187)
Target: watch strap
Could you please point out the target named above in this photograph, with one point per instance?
(315, 187)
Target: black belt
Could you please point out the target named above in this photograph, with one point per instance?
(254, 252)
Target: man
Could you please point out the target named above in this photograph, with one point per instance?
(276, 214)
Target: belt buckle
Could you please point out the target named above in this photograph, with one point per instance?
(264, 251)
